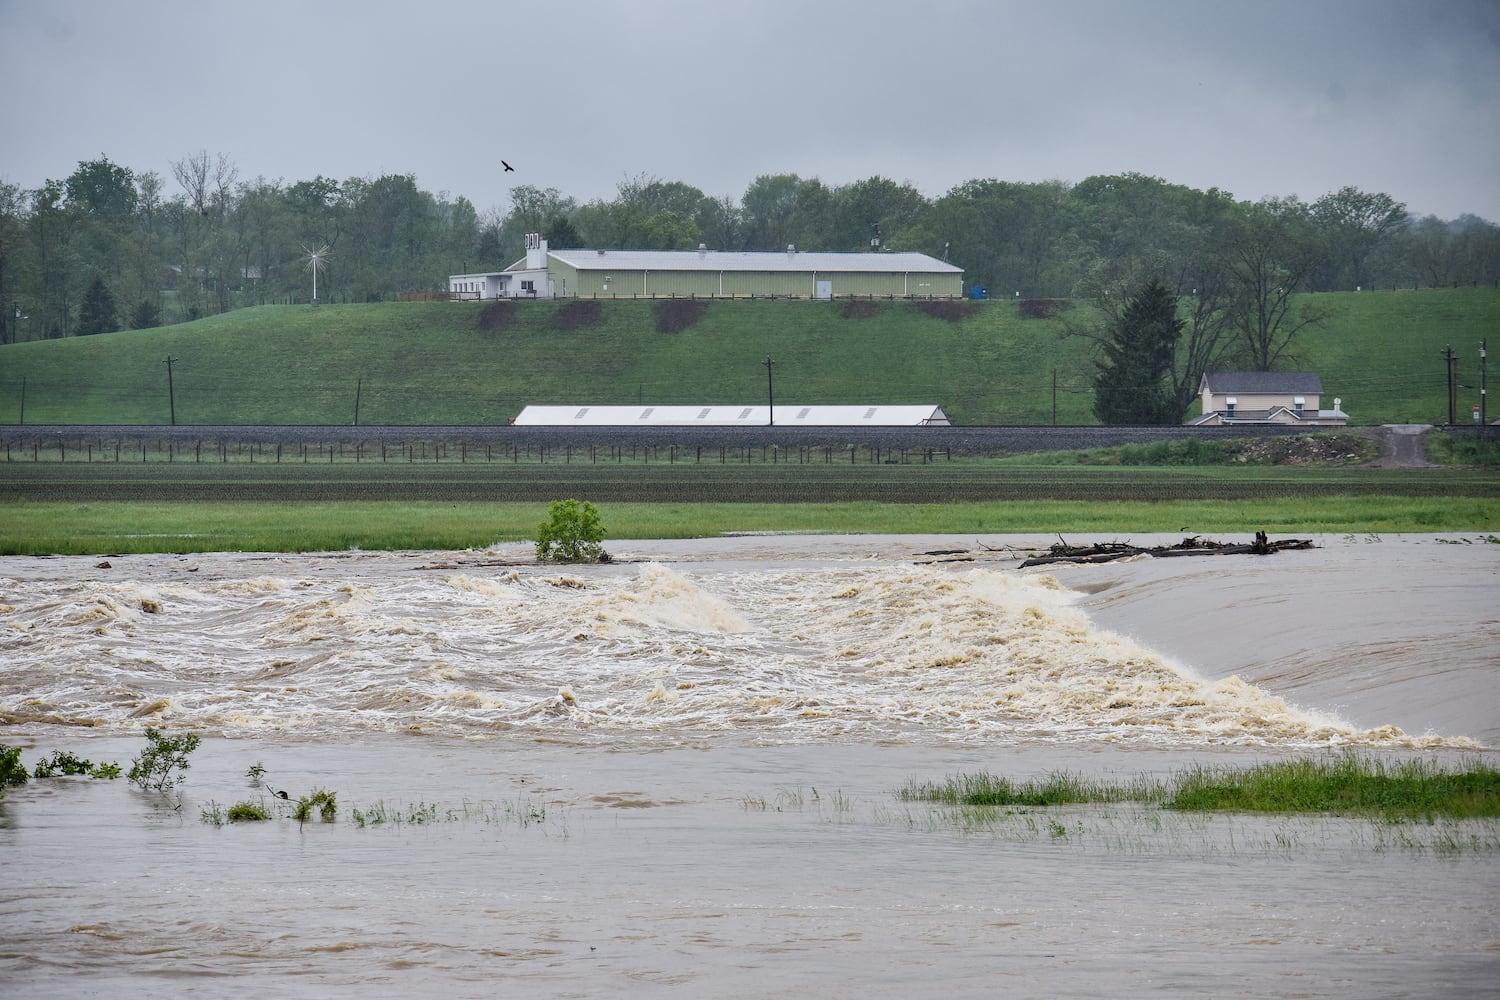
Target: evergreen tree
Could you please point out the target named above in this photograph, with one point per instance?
(1132, 385)
(145, 316)
(97, 313)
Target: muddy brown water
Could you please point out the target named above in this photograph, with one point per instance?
(677, 775)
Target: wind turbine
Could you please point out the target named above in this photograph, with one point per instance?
(316, 261)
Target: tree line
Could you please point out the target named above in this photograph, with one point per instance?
(110, 248)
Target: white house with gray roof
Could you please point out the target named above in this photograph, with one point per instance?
(1230, 398)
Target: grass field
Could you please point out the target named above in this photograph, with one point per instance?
(235, 526)
(431, 363)
(54, 507)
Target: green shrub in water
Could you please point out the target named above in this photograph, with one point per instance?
(11, 770)
(572, 533)
(161, 764)
(248, 812)
(325, 802)
(63, 762)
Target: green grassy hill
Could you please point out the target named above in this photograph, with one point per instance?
(439, 363)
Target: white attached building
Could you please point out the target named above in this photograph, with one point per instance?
(525, 279)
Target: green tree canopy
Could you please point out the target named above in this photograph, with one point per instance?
(97, 313)
(1132, 386)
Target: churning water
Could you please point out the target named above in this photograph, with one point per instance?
(674, 775)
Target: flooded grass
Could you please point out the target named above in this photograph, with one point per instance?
(521, 814)
(1348, 786)
(1352, 785)
(1059, 788)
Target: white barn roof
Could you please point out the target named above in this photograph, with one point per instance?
(787, 415)
(751, 260)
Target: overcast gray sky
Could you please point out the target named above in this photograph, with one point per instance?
(1265, 97)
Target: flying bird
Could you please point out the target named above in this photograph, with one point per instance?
(507, 166)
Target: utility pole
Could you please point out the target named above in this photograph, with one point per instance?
(1054, 397)
(358, 384)
(1452, 359)
(1483, 416)
(770, 389)
(171, 395)
(23, 399)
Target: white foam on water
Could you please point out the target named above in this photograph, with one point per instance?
(918, 653)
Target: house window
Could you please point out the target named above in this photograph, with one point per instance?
(1230, 403)
(1299, 404)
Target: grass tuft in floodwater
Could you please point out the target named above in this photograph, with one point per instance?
(1056, 789)
(248, 812)
(1351, 785)
(1348, 786)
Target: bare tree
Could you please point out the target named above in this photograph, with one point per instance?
(207, 184)
(1270, 256)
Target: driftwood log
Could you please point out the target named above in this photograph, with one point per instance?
(1193, 546)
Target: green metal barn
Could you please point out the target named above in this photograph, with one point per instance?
(705, 273)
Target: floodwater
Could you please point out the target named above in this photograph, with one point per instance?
(676, 775)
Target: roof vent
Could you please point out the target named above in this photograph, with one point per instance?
(702, 249)
(791, 248)
(600, 252)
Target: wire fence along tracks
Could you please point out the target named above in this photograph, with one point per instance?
(765, 465)
(462, 444)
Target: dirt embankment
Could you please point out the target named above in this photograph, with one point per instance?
(1307, 449)
(1388, 447)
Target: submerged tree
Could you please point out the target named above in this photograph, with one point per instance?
(1132, 386)
(572, 533)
